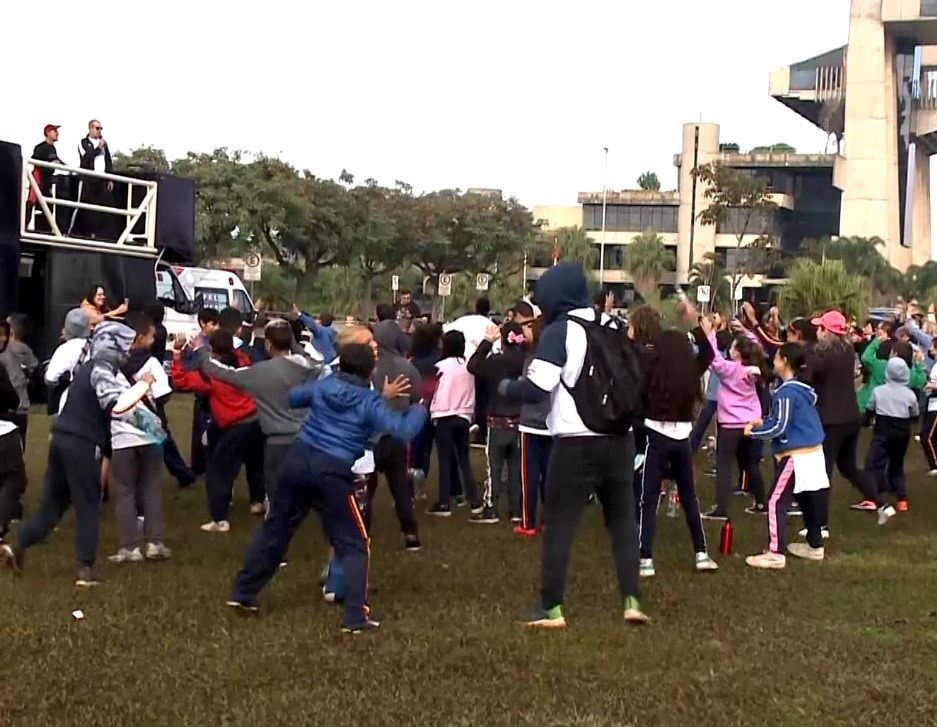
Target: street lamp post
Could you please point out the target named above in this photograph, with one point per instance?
(604, 210)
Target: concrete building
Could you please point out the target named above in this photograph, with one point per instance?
(808, 206)
(877, 96)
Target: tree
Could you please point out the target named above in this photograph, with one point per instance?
(573, 244)
(780, 148)
(861, 258)
(648, 260)
(649, 181)
(708, 271)
(815, 287)
(745, 201)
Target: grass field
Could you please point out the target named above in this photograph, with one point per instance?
(851, 641)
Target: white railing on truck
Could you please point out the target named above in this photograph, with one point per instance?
(45, 207)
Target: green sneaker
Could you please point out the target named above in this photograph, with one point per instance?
(634, 614)
(544, 618)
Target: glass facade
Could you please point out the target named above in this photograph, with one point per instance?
(631, 217)
(904, 77)
(928, 8)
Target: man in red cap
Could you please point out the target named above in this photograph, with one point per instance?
(44, 152)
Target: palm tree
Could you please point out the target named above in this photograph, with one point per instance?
(861, 258)
(648, 260)
(708, 271)
(573, 244)
(815, 287)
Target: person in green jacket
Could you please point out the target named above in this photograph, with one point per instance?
(876, 367)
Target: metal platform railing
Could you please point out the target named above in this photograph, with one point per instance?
(54, 217)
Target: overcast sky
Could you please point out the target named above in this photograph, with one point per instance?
(514, 94)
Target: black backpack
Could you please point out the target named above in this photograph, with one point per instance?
(608, 392)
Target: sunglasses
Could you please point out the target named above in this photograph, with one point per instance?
(97, 128)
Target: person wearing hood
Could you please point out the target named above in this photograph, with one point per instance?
(391, 454)
(503, 447)
(20, 361)
(80, 435)
(875, 360)
(67, 357)
(269, 382)
(796, 435)
(136, 452)
(345, 412)
(582, 460)
(893, 406)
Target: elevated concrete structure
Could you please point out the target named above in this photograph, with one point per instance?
(877, 96)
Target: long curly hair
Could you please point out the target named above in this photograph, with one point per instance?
(644, 322)
(672, 383)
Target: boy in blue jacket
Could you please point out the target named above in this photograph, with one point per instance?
(344, 413)
(796, 435)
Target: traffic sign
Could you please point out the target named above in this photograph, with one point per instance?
(445, 285)
(703, 294)
(481, 281)
(394, 283)
(253, 265)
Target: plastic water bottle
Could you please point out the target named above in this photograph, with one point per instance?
(725, 538)
(673, 502)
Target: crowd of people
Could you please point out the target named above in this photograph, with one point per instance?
(572, 405)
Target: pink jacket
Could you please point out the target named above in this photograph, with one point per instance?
(737, 402)
(455, 391)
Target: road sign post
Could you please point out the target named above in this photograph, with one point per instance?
(253, 267)
(444, 289)
(481, 281)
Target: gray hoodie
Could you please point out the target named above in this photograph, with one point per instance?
(19, 361)
(269, 382)
(893, 404)
(392, 362)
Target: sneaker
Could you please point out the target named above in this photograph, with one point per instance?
(515, 520)
(710, 472)
(126, 555)
(327, 595)
(739, 492)
(440, 511)
(525, 532)
(794, 511)
(767, 560)
(885, 513)
(87, 578)
(244, 605)
(411, 543)
(460, 501)
(369, 625)
(803, 550)
(11, 557)
(157, 551)
(864, 506)
(932, 473)
(258, 509)
(477, 508)
(902, 506)
(646, 568)
(756, 508)
(542, 618)
(633, 613)
(222, 526)
(824, 533)
(705, 564)
(488, 516)
(714, 513)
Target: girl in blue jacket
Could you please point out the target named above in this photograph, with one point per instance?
(796, 435)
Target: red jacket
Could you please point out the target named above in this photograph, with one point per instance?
(228, 405)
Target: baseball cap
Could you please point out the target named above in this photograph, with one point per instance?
(50, 127)
(832, 321)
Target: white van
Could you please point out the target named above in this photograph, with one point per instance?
(180, 307)
(219, 289)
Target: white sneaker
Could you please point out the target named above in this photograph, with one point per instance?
(646, 568)
(803, 550)
(126, 555)
(157, 551)
(705, 564)
(258, 508)
(769, 561)
(222, 526)
(824, 532)
(885, 513)
(932, 473)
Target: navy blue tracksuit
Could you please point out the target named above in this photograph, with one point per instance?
(311, 479)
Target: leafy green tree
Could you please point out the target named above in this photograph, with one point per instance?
(731, 192)
(649, 181)
(573, 243)
(815, 287)
(648, 260)
(861, 257)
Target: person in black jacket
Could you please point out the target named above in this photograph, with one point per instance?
(12, 462)
(95, 156)
(503, 445)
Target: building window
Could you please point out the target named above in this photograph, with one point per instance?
(928, 8)
(739, 221)
(631, 217)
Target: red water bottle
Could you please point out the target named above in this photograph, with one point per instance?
(725, 538)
